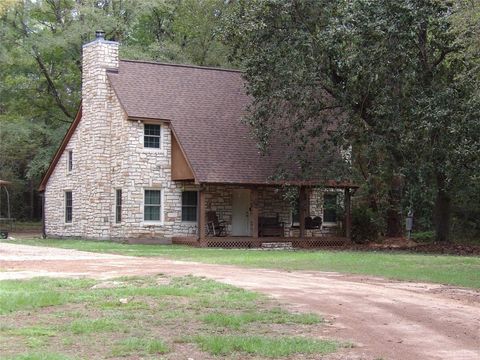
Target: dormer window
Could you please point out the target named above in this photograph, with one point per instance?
(152, 134)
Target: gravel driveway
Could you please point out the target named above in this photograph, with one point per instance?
(384, 319)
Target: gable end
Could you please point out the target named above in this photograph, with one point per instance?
(61, 149)
(181, 169)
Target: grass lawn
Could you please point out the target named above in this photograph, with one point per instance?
(444, 269)
(153, 317)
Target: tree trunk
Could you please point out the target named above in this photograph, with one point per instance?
(394, 212)
(32, 200)
(442, 216)
(394, 223)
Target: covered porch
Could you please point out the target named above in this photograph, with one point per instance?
(259, 216)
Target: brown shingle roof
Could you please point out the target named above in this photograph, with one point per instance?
(205, 107)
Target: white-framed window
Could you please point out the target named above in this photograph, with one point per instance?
(152, 136)
(69, 161)
(68, 207)
(189, 205)
(153, 206)
(118, 206)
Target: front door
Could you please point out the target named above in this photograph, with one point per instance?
(241, 212)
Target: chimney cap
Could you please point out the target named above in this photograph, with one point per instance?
(100, 34)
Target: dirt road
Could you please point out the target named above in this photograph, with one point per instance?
(384, 319)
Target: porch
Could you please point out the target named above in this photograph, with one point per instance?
(256, 216)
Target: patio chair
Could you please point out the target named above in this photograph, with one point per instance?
(313, 223)
(214, 226)
(317, 222)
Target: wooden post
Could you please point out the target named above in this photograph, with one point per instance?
(302, 211)
(201, 217)
(254, 211)
(348, 214)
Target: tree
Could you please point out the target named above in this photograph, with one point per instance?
(40, 68)
(392, 67)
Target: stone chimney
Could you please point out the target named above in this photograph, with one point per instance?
(93, 156)
(98, 56)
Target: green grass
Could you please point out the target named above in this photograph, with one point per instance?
(444, 269)
(139, 346)
(24, 300)
(264, 346)
(90, 321)
(275, 316)
(34, 331)
(30, 294)
(89, 326)
(39, 356)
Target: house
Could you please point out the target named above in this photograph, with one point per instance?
(155, 148)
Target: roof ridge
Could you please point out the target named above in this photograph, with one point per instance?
(183, 65)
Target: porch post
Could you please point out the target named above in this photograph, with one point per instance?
(348, 214)
(301, 212)
(254, 211)
(201, 216)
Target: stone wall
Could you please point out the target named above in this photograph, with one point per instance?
(108, 154)
(90, 178)
(316, 202)
(271, 203)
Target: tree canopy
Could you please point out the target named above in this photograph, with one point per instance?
(404, 74)
(40, 67)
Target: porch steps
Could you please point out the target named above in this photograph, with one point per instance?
(277, 245)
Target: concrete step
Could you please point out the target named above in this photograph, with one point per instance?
(287, 245)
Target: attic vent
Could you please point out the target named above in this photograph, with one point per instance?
(100, 34)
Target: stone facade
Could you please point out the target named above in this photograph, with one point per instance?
(90, 177)
(219, 198)
(108, 154)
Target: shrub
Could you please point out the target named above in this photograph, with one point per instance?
(364, 226)
(423, 236)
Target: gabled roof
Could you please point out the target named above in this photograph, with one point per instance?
(205, 107)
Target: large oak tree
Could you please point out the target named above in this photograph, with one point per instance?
(394, 68)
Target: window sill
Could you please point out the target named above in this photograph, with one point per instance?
(154, 150)
(152, 224)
